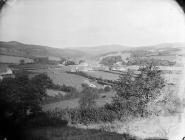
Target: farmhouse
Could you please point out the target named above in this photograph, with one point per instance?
(6, 72)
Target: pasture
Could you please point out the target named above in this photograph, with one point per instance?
(54, 93)
(73, 103)
(60, 77)
(103, 75)
(14, 59)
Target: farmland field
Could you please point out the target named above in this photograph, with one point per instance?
(73, 103)
(103, 75)
(59, 76)
(14, 59)
(54, 93)
(65, 78)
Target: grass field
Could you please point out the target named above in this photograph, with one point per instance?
(73, 103)
(59, 76)
(54, 93)
(13, 59)
(103, 75)
(67, 79)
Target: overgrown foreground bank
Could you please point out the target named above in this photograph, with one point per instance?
(137, 96)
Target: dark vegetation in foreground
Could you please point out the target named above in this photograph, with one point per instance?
(21, 115)
(70, 133)
(21, 99)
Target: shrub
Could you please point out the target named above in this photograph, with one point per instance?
(21, 94)
(135, 92)
(110, 60)
(88, 97)
(107, 89)
(169, 104)
(85, 115)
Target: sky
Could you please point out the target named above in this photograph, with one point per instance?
(86, 23)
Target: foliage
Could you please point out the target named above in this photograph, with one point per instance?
(42, 80)
(72, 133)
(69, 62)
(168, 104)
(22, 61)
(20, 98)
(85, 115)
(107, 89)
(110, 60)
(148, 60)
(60, 97)
(88, 97)
(134, 92)
(22, 94)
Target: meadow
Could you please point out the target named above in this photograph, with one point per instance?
(13, 59)
(103, 75)
(74, 103)
(59, 76)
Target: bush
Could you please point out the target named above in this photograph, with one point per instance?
(107, 89)
(88, 97)
(21, 94)
(20, 98)
(111, 60)
(44, 120)
(71, 94)
(85, 115)
(169, 104)
(135, 92)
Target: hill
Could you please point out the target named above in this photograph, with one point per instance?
(98, 50)
(14, 48)
(95, 53)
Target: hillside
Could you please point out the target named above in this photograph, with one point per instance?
(161, 52)
(14, 48)
(95, 53)
(98, 50)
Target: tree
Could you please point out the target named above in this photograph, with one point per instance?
(42, 80)
(111, 60)
(88, 97)
(2, 3)
(19, 97)
(21, 94)
(138, 90)
(22, 61)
